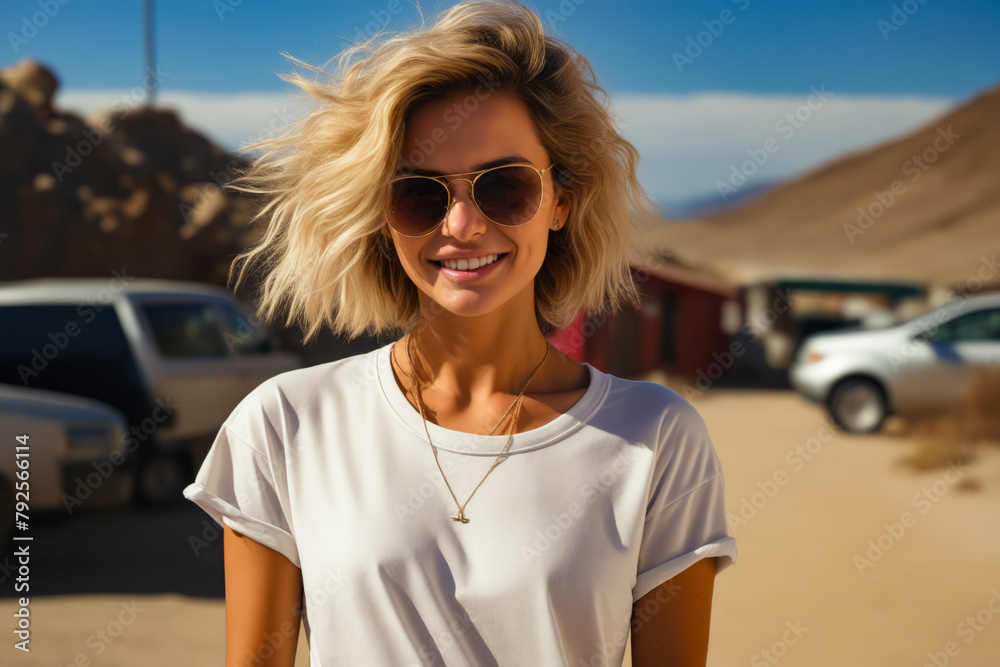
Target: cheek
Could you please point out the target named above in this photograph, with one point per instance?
(408, 257)
(534, 244)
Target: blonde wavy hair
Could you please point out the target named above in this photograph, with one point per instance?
(324, 180)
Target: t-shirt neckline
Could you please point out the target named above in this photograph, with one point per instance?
(490, 445)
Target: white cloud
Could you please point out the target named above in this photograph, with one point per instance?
(688, 142)
(229, 119)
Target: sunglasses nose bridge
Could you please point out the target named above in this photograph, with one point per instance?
(462, 225)
(451, 195)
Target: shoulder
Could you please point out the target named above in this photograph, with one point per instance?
(643, 400)
(659, 418)
(279, 404)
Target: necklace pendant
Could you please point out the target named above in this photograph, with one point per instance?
(461, 516)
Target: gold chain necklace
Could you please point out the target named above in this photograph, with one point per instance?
(460, 517)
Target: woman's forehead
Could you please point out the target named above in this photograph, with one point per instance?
(456, 134)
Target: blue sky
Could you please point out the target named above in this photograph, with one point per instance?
(692, 109)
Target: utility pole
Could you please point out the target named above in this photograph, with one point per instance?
(147, 15)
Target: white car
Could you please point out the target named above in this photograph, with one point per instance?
(60, 453)
(175, 358)
(924, 365)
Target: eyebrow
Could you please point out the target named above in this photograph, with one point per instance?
(510, 159)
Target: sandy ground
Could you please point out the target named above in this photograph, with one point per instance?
(800, 593)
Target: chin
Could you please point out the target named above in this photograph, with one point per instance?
(462, 306)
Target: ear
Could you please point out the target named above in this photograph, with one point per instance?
(561, 210)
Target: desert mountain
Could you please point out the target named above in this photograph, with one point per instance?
(922, 207)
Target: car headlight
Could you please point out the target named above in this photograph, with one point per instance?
(813, 356)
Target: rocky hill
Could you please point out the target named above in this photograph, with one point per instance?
(129, 187)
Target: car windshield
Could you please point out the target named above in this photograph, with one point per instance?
(931, 320)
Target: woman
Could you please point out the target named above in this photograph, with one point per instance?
(467, 494)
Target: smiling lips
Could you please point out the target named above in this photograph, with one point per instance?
(469, 263)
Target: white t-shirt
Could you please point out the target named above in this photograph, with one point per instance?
(330, 466)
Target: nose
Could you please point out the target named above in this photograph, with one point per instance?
(464, 221)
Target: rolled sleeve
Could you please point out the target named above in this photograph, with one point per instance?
(243, 488)
(686, 510)
(690, 529)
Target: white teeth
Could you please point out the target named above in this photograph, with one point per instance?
(467, 264)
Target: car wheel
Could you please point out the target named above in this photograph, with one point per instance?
(160, 480)
(858, 405)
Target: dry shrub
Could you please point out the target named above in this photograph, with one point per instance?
(970, 423)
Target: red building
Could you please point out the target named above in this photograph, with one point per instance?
(677, 328)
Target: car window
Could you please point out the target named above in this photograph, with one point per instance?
(185, 329)
(982, 325)
(76, 349)
(244, 338)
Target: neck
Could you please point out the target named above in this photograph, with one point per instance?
(473, 358)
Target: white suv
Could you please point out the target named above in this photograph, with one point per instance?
(923, 365)
(59, 453)
(175, 358)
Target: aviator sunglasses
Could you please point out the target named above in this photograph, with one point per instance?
(508, 195)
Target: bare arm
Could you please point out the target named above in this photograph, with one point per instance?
(670, 623)
(263, 603)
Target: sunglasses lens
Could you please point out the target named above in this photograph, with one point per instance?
(506, 195)
(418, 204)
(509, 195)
